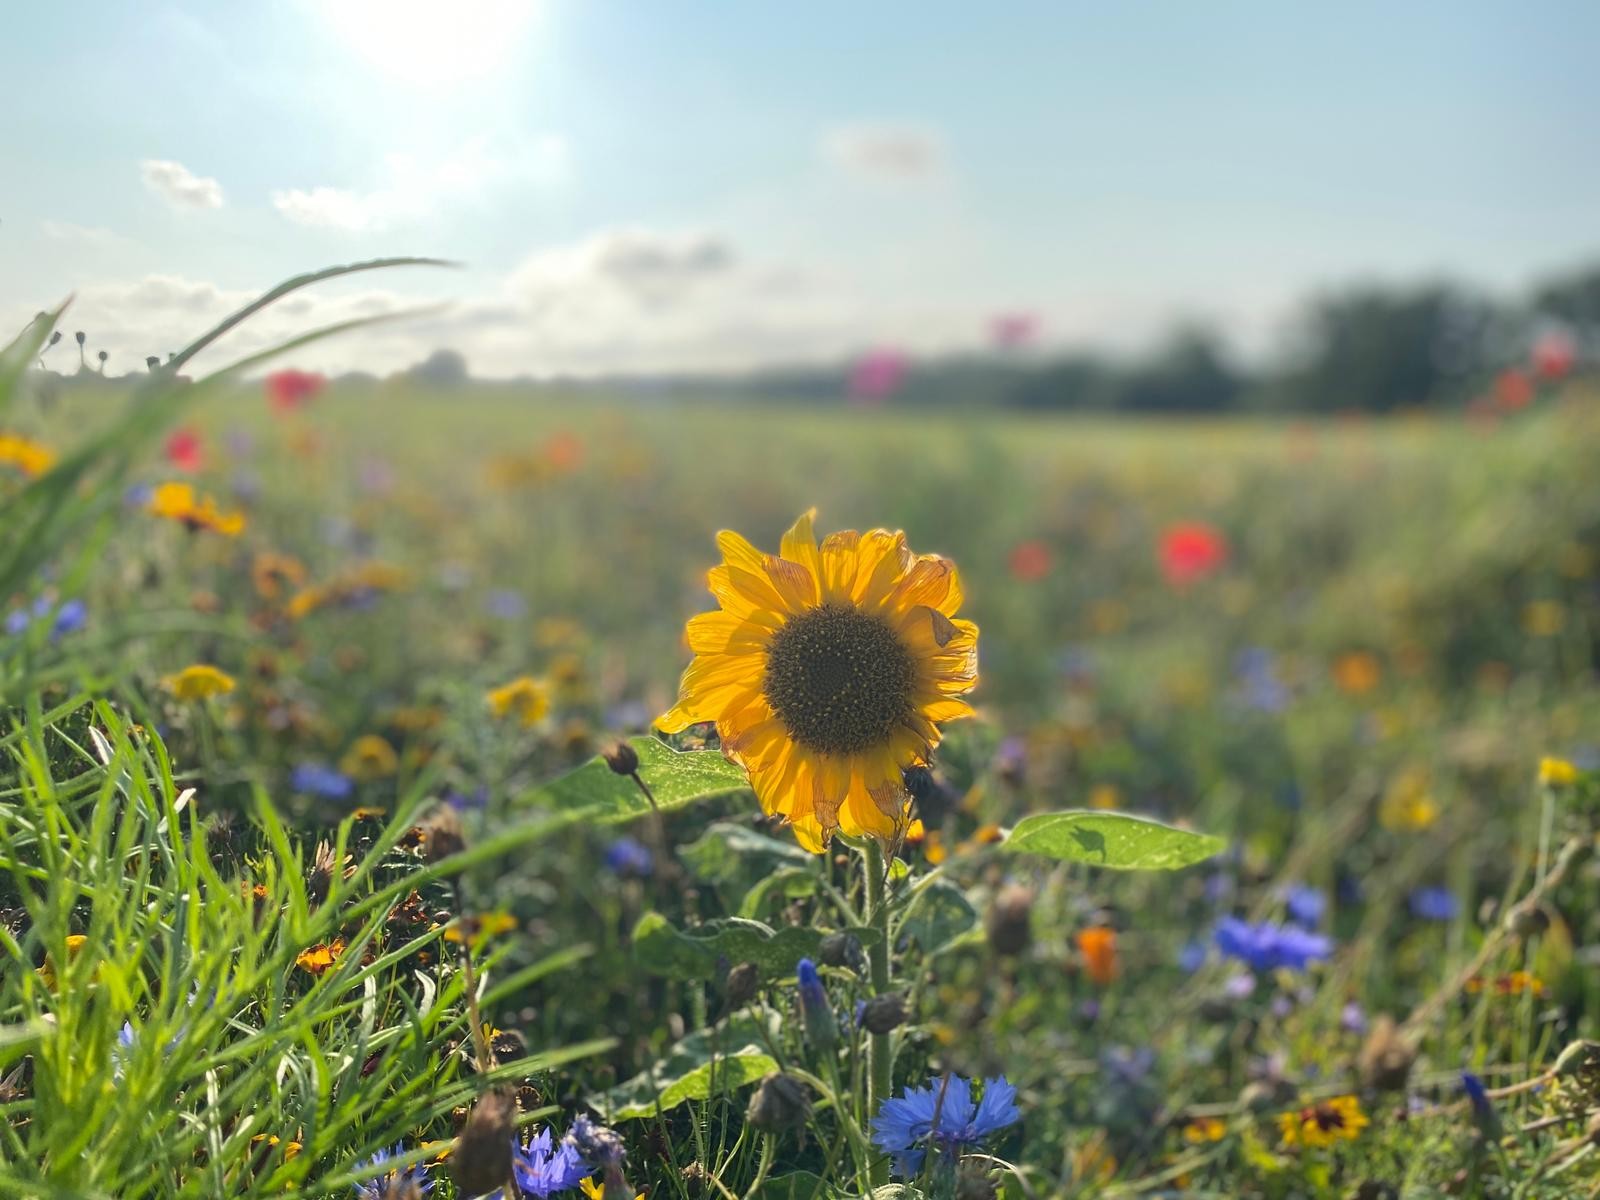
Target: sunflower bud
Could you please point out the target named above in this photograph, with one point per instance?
(1579, 1065)
(884, 1014)
(443, 836)
(780, 1102)
(741, 984)
(842, 950)
(621, 757)
(821, 1031)
(1527, 920)
(481, 1160)
(1010, 921)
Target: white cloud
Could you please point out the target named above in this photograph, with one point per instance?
(413, 189)
(92, 236)
(179, 186)
(885, 151)
(628, 300)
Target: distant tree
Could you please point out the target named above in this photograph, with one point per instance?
(1574, 299)
(442, 368)
(1190, 375)
(1378, 349)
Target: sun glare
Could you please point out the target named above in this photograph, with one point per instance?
(425, 42)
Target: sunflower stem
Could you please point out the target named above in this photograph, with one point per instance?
(880, 1051)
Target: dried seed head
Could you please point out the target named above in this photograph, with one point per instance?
(884, 1014)
(843, 950)
(1385, 1060)
(741, 984)
(975, 1181)
(780, 1102)
(443, 837)
(481, 1160)
(1010, 921)
(621, 758)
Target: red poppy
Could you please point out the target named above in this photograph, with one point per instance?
(183, 449)
(288, 390)
(1030, 561)
(1191, 550)
(1513, 390)
(1553, 356)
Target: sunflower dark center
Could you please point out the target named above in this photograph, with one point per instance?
(1327, 1118)
(839, 679)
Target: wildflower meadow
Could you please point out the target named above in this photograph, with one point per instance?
(619, 798)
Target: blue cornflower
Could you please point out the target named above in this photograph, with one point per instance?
(542, 1166)
(821, 1031)
(404, 1183)
(904, 1127)
(70, 617)
(1259, 685)
(629, 856)
(1192, 957)
(1352, 1017)
(17, 621)
(506, 604)
(598, 1147)
(1267, 946)
(324, 782)
(1305, 904)
(1483, 1111)
(1433, 904)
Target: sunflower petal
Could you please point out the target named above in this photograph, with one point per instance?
(799, 545)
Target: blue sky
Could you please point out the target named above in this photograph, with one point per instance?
(674, 185)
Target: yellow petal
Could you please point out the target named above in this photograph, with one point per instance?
(799, 545)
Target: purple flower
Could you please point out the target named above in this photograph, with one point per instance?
(1267, 946)
(1433, 904)
(403, 1183)
(629, 857)
(942, 1115)
(1353, 1018)
(1305, 904)
(505, 604)
(70, 617)
(314, 779)
(541, 1168)
(821, 1030)
(1192, 957)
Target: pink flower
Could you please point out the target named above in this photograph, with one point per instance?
(1010, 330)
(288, 390)
(183, 450)
(1191, 550)
(878, 374)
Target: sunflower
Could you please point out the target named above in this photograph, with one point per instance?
(180, 502)
(827, 672)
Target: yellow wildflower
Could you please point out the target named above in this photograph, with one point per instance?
(525, 698)
(75, 944)
(1324, 1124)
(179, 502)
(27, 456)
(370, 757)
(1205, 1129)
(201, 681)
(1557, 772)
(479, 929)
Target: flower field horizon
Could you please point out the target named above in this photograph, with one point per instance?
(423, 791)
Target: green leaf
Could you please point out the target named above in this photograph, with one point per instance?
(1113, 840)
(938, 916)
(730, 1055)
(706, 951)
(791, 883)
(677, 778)
(726, 851)
(802, 1185)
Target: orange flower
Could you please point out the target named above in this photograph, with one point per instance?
(320, 957)
(1357, 672)
(1098, 946)
(180, 502)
